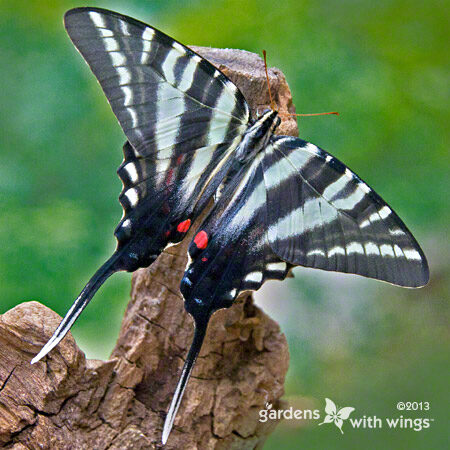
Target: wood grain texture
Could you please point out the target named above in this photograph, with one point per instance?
(69, 402)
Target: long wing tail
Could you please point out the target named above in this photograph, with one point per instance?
(199, 335)
(102, 274)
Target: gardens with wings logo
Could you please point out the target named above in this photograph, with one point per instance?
(339, 415)
(333, 414)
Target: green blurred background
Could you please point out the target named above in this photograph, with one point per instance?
(383, 65)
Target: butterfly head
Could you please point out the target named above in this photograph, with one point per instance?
(271, 117)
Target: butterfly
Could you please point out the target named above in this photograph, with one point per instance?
(333, 414)
(279, 201)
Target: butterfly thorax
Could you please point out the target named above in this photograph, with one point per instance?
(257, 135)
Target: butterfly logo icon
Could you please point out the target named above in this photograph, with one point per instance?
(336, 415)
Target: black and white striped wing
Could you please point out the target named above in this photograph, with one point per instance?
(320, 214)
(182, 117)
(230, 252)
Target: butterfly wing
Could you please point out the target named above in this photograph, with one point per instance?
(230, 252)
(162, 93)
(182, 118)
(330, 407)
(344, 413)
(320, 214)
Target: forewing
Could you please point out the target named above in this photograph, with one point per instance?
(161, 92)
(230, 252)
(330, 407)
(320, 214)
(345, 412)
(182, 117)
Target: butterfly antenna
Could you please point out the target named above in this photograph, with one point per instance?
(102, 274)
(315, 114)
(285, 115)
(272, 103)
(199, 335)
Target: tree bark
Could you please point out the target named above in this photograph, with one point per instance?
(69, 402)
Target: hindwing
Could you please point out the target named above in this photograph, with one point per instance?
(230, 252)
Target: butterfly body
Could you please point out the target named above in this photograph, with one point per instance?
(278, 201)
(257, 136)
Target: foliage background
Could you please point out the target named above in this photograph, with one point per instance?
(383, 65)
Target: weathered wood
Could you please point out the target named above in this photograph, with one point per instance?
(66, 401)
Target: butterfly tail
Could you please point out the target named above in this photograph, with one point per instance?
(85, 296)
(199, 335)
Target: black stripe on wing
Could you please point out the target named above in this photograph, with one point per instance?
(320, 214)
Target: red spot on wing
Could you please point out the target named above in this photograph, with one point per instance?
(184, 226)
(204, 259)
(180, 159)
(201, 240)
(169, 177)
(167, 233)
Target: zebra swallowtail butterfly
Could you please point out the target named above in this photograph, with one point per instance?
(278, 201)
